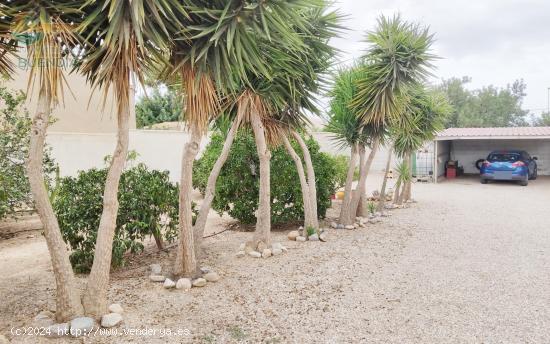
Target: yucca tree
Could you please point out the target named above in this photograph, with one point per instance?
(43, 29)
(121, 39)
(347, 130)
(397, 58)
(425, 116)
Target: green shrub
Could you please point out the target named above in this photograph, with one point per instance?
(148, 205)
(15, 125)
(237, 187)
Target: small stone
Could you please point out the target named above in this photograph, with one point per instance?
(205, 269)
(156, 269)
(211, 277)
(323, 237)
(116, 308)
(349, 227)
(242, 246)
(301, 228)
(44, 319)
(341, 226)
(82, 326)
(199, 282)
(277, 245)
(56, 330)
(276, 251)
(301, 238)
(293, 235)
(261, 246)
(157, 278)
(266, 253)
(168, 283)
(183, 283)
(313, 237)
(111, 320)
(240, 254)
(284, 249)
(254, 254)
(334, 225)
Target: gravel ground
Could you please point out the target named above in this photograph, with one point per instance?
(468, 263)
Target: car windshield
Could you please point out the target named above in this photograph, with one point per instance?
(504, 157)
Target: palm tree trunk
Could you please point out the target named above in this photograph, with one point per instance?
(308, 215)
(95, 296)
(68, 304)
(396, 194)
(186, 261)
(382, 200)
(408, 189)
(200, 224)
(360, 195)
(263, 222)
(310, 179)
(345, 211)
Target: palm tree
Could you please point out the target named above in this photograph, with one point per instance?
(347, 130)
(397, 58)
(43, 27)
(425, 116)
(121, 37)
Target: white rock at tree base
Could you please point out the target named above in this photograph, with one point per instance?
(334, 225)
(341, 226)
(168, 283)
(44, 319)
(211, 277)
(323, 237)
(240, 254)
(183, 283)
(266, 253)
(277, 245)
(116, 308)
(313, 237)
(157, 278)
(57, 330)
(349, 227)
(300, 238)
(156, 269)
(111, 319)
(254, 254)
(276, 251)
(292, 235)
(82, 326)
(199, 282)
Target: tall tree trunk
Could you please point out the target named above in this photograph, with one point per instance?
(95, 296)
(310, 179)
(263, 221)
(382, 200)
(68, 304)
(360, 195)
(345, 211)
(186, 260)
(408, 189)
(200, 224)
(308, 215)
(396, 193)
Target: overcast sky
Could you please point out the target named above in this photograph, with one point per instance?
(492, 41)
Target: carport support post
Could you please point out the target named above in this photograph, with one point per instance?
(436, 172)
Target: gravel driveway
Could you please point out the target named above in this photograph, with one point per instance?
(468, 263)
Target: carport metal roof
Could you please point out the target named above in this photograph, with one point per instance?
(508, 133)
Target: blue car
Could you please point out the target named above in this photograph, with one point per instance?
(509, 165)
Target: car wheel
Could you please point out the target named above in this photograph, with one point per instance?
(524, 182)
(535, 174)
(483, 181)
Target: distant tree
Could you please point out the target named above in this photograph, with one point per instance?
(489, 106)
(158, 107)
(542, 121)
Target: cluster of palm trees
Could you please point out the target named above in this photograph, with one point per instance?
(383, 100)
(257, 62)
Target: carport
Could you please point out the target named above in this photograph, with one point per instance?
(467, 145)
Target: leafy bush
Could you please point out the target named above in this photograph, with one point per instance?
(148, 205)
(15, 126)
(158, 107)
(237, 187)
